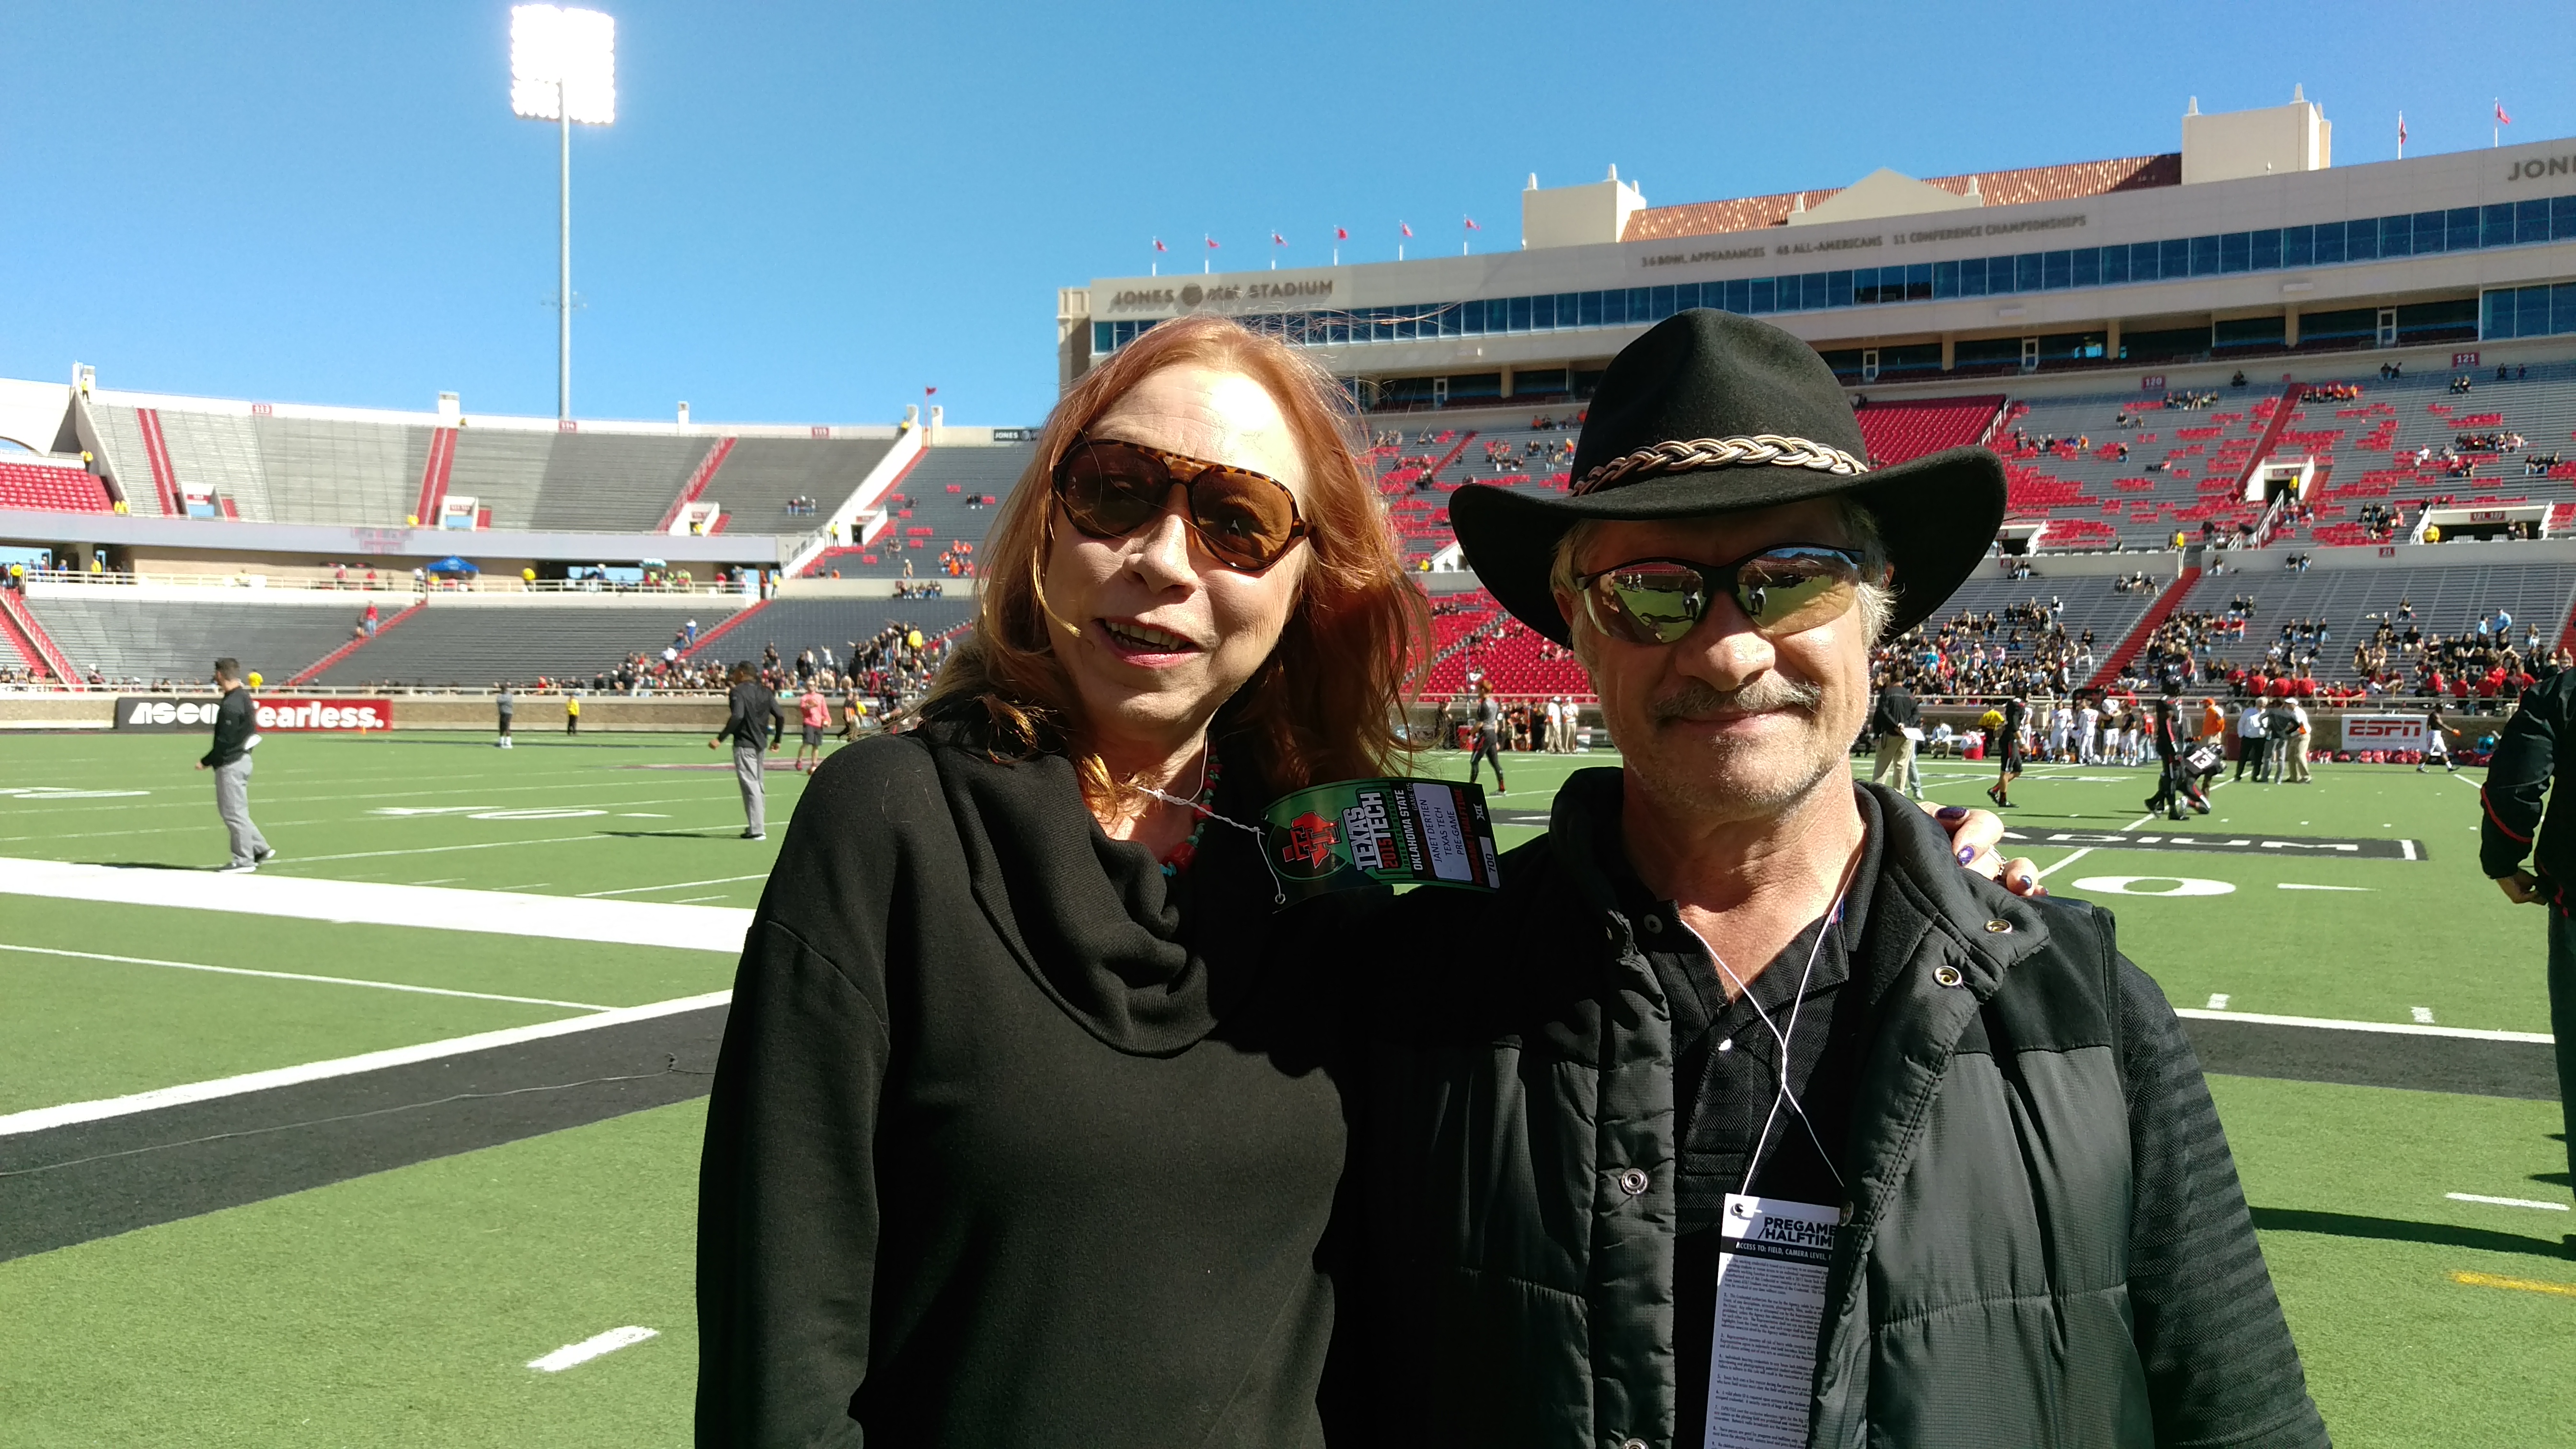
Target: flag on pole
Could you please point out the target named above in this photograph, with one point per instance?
(2501, 118)
(1211, 241)
(1471, 225)
(2401, 133)
(1407, 226)
(930, 392)
(1277, 240)
(1341, 233)
(1158, 245)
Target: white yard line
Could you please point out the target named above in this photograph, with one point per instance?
(562, 918)
(675, 885)
(2047, 871)
(591, 1348)
(39, 1119)
(300, 976)
(2395, 1028)
(492, 844)
(2520, 1202)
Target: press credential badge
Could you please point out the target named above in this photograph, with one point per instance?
(1770, 1301)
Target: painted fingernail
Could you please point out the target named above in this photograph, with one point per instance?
(2025, 881)
(1951, 812)
(2039, 890)
(1967, 853)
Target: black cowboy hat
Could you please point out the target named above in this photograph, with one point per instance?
(1710, 413)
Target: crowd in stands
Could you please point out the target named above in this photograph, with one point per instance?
(2332, 391)
(2137, 583)
(2193, 401)
(2023, 648)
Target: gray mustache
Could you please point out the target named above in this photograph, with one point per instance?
(1697, 700)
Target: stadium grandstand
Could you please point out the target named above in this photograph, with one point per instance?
(2335, 388)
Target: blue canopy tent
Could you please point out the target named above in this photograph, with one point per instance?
(453, 565)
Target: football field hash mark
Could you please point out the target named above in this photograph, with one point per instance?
(572, 1354)
(2512, 1202)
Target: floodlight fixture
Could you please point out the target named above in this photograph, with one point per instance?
(563, 68)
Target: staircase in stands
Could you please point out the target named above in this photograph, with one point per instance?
(697, 484)
(720, 630)
(2148, 623)
(313, 671)
(33, 644)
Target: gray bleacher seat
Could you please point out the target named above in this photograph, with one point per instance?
(121, 436)
(817, 624)
(472, 646)
(2091, 601)
(760, 475)
(611, 482)
(937, 517)
(343, 473)
(137, 639)
(221, 451)
(501, 471)
(2448, 600)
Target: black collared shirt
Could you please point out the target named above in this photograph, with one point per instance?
(1726, 1082)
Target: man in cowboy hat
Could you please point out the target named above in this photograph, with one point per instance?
(1745, 1116)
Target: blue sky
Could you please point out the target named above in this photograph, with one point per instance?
(810, 212)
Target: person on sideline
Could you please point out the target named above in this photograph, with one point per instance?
(2437, 741)
(1895, 722)
(505, 702)
(813, 714)
(1737, 1007)
(572, 714)
(236, 735)
(1489, 738)
(2012, 730)
(2250, 737)
(2536, 746)
(751, 722)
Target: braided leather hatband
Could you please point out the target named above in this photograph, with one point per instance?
(1769, 449)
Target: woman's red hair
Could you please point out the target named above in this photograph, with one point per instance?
(1327, 702)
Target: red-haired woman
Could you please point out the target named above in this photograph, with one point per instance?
(1014, 1140)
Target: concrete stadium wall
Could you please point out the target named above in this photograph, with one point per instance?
(536, 714)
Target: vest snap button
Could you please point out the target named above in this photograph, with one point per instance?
(1947, 975)
(1632, 1182)
(1632, 1444)
(1654, 925)
(1998, 928)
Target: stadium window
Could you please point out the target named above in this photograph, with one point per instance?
(2203, 256)
(2562, 307)
(1852, 364)
(1102, 334)
(1450, 322)
(1587, 380)
(1518, 315)
(1640, 305)
(1686, 295)
(1739, 295)
(1569, 307)
(1337, 331)
(2424, 237)
(1759, 295)
(2531, 221)
(2464, 229)
(2244, 333)
(1863, 291)
(2087, 266)
(1662, 305)
(1399, 328)
(2495, 225)
(2267, 251)
(2329, 244)
(2531, 304)
(1818, 288)
(1543, 313)
(2298, 246)
(1945, 280)
(1587, 309)
(2056, 270)
(1838, 289)
(2396, 238)
(1977, 277)
(2562, 218)
(2114, 264)
(2026, 272)
(2235, 252)
(2361, 241)
(2448, 321)
(2351, 327)
(2173, 259)
(1918, 282)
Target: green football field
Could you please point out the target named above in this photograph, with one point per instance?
(567, 882)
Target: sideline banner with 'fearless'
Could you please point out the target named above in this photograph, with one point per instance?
(169, 714)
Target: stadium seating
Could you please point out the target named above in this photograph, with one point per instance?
(350, 474)
(931, 510)
(58, 490)
(817, 624)
(2448, 600)
(1899, 432)
(121, 448)
(128, 639)
(761, 475)
(2094, 499)
(2396, 419)
(474, 646)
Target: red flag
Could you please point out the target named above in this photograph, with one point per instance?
(1158, 245)
(1211, 241)
(1408, 228)
(1471, 225)
(930, 392)
(2501, 118)
(1341, 234)
(1277, 240)
(2401, 128)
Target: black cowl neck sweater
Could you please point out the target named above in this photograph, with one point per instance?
(1015, 1140)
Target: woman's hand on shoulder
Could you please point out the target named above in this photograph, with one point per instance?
(1974, 834)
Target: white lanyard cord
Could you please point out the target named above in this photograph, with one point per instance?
(1832, 921)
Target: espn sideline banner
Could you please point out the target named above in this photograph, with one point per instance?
(168, 714)
(2383, 732)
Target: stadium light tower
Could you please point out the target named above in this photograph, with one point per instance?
(563, 68)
